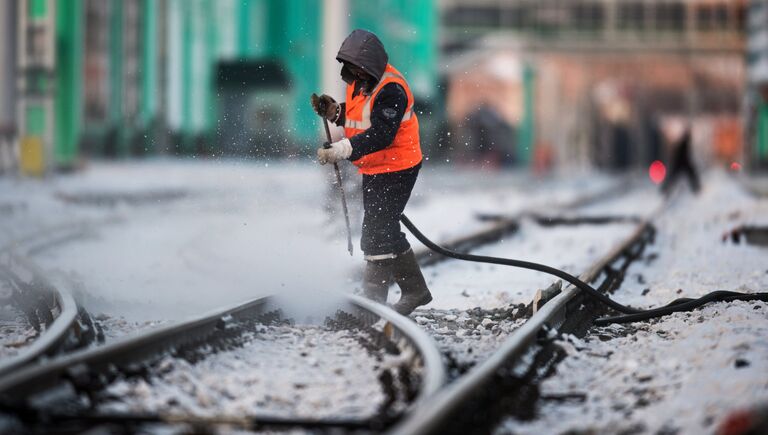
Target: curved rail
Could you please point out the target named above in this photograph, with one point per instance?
(568, 311)
(434, 376)
(83, 370)
(64, 325)
(72, 328)
(51, 340)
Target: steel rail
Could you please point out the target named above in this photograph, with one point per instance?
(121, 353)
(404, 329)
(92, 366)
(439, 416)
(62, 334)
(50, 341)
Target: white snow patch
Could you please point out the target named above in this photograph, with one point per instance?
(232, 230)
(288, 371)
(462, 284)
(684, 372)
(15, 332)
(690, 257)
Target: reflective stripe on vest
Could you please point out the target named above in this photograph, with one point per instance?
(365, 124)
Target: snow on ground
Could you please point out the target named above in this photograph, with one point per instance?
(689, 258)
(638, 202)
(117, 327)
(237, 231)
(468, 337)
(682, 373)
(288, 371)
(167, 239)
(462, 284)
(477, 306)
(163, 240)
(446, 202)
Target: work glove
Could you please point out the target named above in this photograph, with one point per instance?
(334, 152)
(326, 107)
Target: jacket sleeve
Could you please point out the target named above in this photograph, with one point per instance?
(387, 112)
(342, 115)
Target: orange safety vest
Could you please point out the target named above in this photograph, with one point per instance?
(405, 150)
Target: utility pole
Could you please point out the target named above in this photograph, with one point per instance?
(8, 36)
(335, 29)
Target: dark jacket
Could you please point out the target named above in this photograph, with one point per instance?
(364, 50)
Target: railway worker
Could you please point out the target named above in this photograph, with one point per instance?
(681, 164)
(382, 139)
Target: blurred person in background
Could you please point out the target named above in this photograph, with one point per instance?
(382, 140)
(7, 151)
(681, 164)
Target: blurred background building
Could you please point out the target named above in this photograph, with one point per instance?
(521, 83)
(599, 82)
(118, 78)
(756, 110)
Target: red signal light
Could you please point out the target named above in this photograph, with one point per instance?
(657, 171)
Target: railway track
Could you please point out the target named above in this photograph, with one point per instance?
(109, 387)
(501, 226)
(59, 323)
(47, 308)
(505, 383)
(468, 336)
(103, 374)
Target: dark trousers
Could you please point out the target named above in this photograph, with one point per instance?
(384, 199)
(682, 164)
(678, 171)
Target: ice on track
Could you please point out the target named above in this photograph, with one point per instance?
(680, 374)
(283, 371)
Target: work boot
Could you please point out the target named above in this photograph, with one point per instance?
(377, 278)
(414, 289)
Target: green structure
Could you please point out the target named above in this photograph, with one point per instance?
(184, 69)
(116, 57)
(287, 33)
(408, 29)
(148, 70)
(37, 86)
(296, 39)
(760, 146)
(69, 86)
(526, 130)
(756, 63)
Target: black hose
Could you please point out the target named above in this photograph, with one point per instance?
(631, 314)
